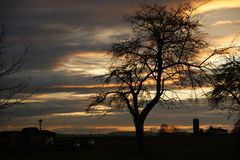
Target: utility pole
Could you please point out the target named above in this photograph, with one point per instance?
(40, 124)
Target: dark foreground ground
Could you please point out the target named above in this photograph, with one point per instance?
(123, 148)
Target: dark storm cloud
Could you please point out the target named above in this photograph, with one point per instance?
(47, 108)
(45, 81)
(56, 29)
(51, 25)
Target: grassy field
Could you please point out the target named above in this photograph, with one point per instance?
(123, 148)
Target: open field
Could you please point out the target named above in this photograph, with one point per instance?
(165, 148)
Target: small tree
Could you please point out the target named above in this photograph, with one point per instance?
(12, 92)
(226, 86)
(164, 128)
(160, 55)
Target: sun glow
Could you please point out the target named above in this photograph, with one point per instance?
(80, 63)
(219, 4)
(99, 111)
(62, 96)
(86, 86)
(74, 114)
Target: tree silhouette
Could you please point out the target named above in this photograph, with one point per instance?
(226, 86)
(12, 91)
(236, 128)
(164, 128)
(160, 55)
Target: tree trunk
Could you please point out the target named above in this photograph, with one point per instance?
(239, 137)
(139, 135)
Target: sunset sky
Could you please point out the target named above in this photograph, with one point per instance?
(68, 39)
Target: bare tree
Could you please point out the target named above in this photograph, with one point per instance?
(225, 94)
(12, 91)
(160, 55)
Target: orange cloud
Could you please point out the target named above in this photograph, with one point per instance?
(225, 41)
(82, 114)
(219, 4)
(91, 63)
(62, 95)
(86, 86)
(226, 22)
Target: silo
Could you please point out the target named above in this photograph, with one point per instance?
(195, 126)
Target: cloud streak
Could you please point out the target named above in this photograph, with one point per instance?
(236, 22)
